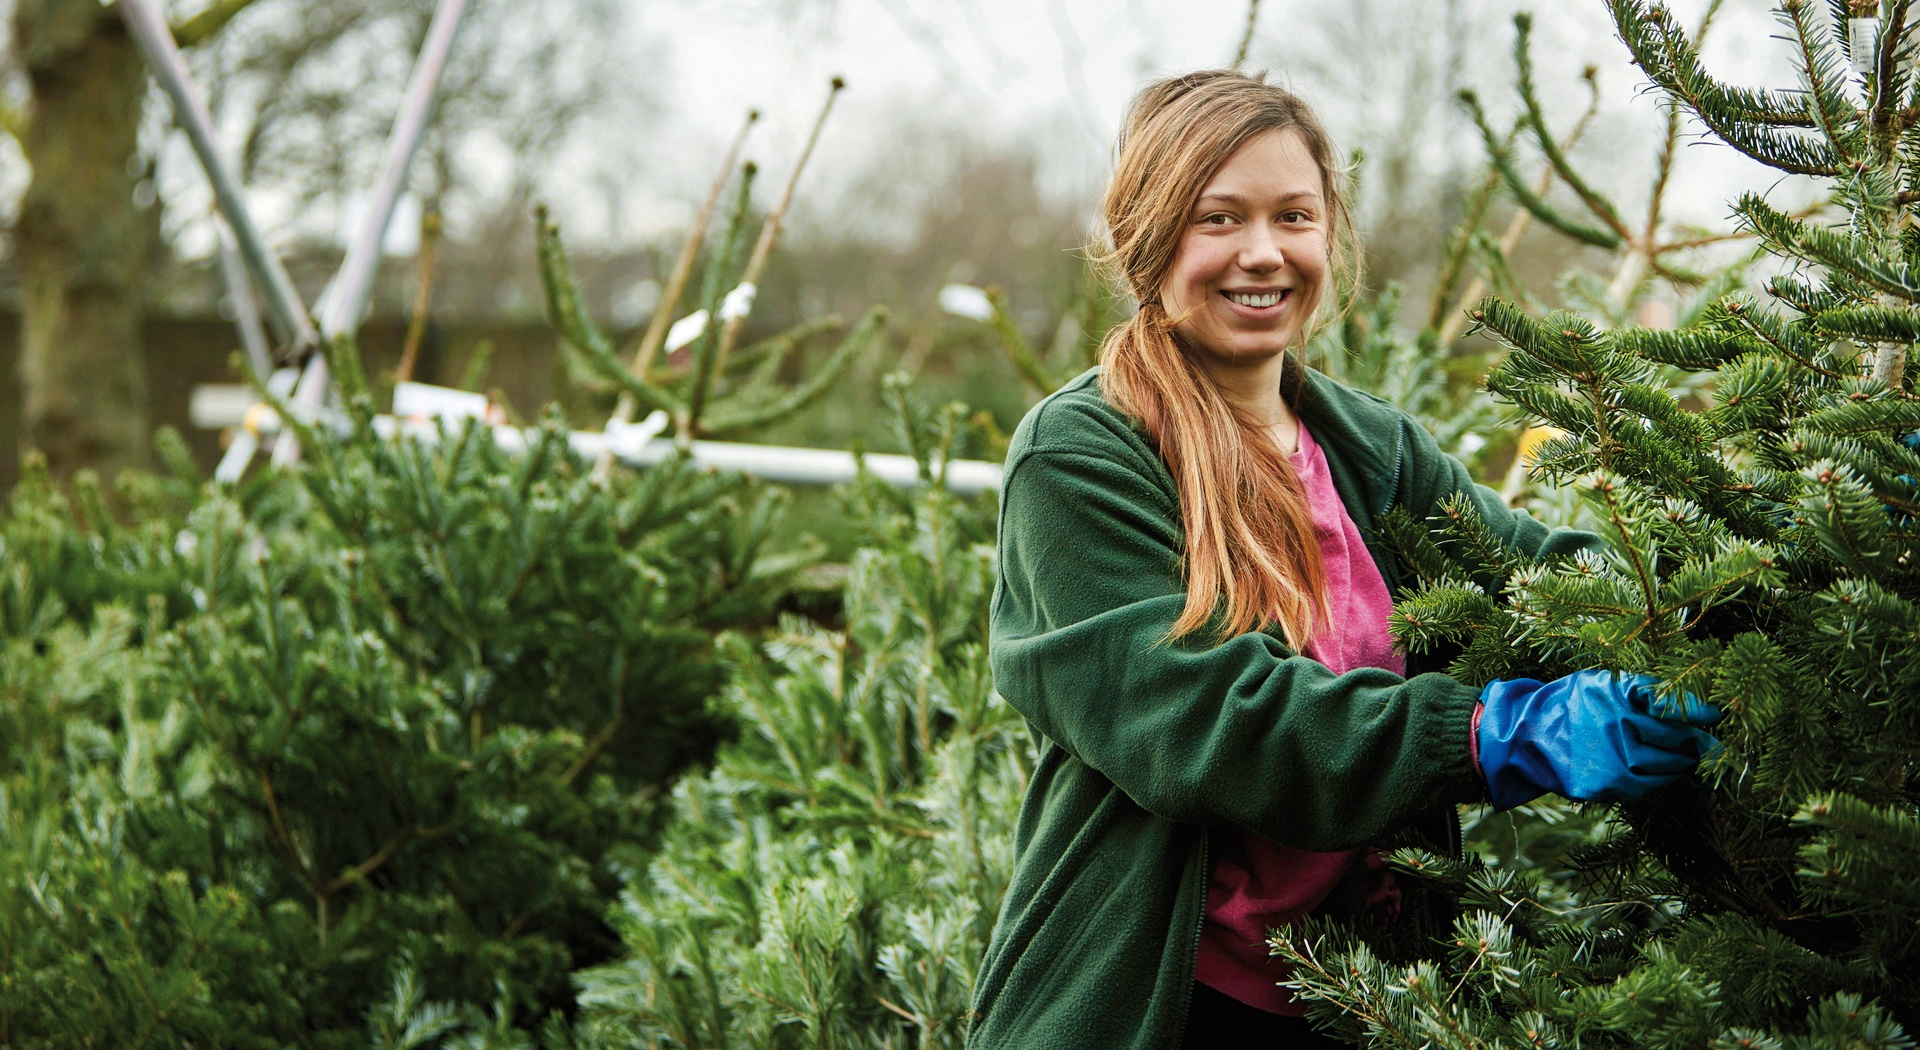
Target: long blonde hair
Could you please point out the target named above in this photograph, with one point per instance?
(1250, 545)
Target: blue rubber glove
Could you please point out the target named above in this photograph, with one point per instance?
(1590, 736)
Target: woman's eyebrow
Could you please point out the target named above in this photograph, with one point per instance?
(1285, 198)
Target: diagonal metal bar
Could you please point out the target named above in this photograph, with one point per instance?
(246, 312)
(155, 40)
(346, 298)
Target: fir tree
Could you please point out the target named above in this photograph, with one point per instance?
(356, 751)
(831, 882)
(1754, 474)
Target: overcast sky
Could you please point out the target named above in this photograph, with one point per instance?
(1056, 74)
(1053, 77)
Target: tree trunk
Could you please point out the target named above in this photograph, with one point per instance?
(82, 240)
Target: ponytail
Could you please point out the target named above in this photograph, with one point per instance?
(1250, 544)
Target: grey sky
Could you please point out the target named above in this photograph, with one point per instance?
(1053, 76)
(1056, 74)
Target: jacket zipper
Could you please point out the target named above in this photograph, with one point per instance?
(1399, 460)
(1199, 925)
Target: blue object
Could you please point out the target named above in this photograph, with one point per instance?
(1590, 736)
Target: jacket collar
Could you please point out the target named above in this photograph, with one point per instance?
(1364, 431)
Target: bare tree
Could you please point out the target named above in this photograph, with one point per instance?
(84, 226)
(312, 85)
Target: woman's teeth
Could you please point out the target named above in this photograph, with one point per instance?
(1262, 299)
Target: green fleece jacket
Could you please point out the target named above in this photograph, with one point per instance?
(1146, 744)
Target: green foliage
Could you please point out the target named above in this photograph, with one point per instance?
(385, 730)
(831, 880)
(1369, 350)
(693, 398)
(1092, 309)
(1754, 483)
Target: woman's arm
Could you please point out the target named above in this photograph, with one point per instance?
(1247, 732)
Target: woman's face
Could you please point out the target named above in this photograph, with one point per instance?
(1253, 258)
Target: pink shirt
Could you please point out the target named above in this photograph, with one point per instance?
(1259, 884)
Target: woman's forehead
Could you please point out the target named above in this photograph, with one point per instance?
(1272, 167)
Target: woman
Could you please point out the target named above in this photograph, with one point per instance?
(1191, 617)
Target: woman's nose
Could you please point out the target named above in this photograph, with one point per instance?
(1260, 249)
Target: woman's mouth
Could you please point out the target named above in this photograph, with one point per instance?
(1259, 300)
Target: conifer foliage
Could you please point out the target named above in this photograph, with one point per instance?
(353, 755)
(1765, 557)
(832, 880)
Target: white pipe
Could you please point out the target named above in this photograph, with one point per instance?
(784, 465)
(800, 466)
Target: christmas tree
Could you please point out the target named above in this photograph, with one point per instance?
(1754, 474)
(355, 754)
(831, 881)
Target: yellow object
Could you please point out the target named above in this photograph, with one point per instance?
(261, 414)
(1532, 438)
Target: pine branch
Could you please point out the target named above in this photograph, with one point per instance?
(1502, 159)
(706, 349)
(371, 864)
(1872, 323)
(1696, 349)
(1453, 262)
(567, 311)
(1849, 520)
(598, 744)
(1469, 238)
(1870, 855)
(1883, 116)
(770, 227)
(1596, 202)
(730, 420)
(1609, 495)
(1745, 119)
(1498, 271)
(1413, 543)
(1019, 351)
(1823, 72)
(1749, 394)
(1747, 318)
(1867, 416)
(1824, 246)
(663, 311)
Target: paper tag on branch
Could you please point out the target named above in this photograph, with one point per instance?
(686, 330)
(739, 302)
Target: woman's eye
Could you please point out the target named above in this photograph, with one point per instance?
(1295, 217)
(1218, 218)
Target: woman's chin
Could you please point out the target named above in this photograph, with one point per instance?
(1247, 349)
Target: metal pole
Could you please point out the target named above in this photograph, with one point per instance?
(155, 40)
(347, 297)
(246, 312)
(352, 285)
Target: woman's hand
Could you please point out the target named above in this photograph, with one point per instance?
(1591, 736)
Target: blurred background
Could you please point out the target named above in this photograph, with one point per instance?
(969, 148)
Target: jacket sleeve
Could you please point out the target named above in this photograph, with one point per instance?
(1431, 476)
(1246, 732)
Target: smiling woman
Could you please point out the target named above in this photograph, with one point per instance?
(1227, 227)
(1192, 615)
(1252, 264)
